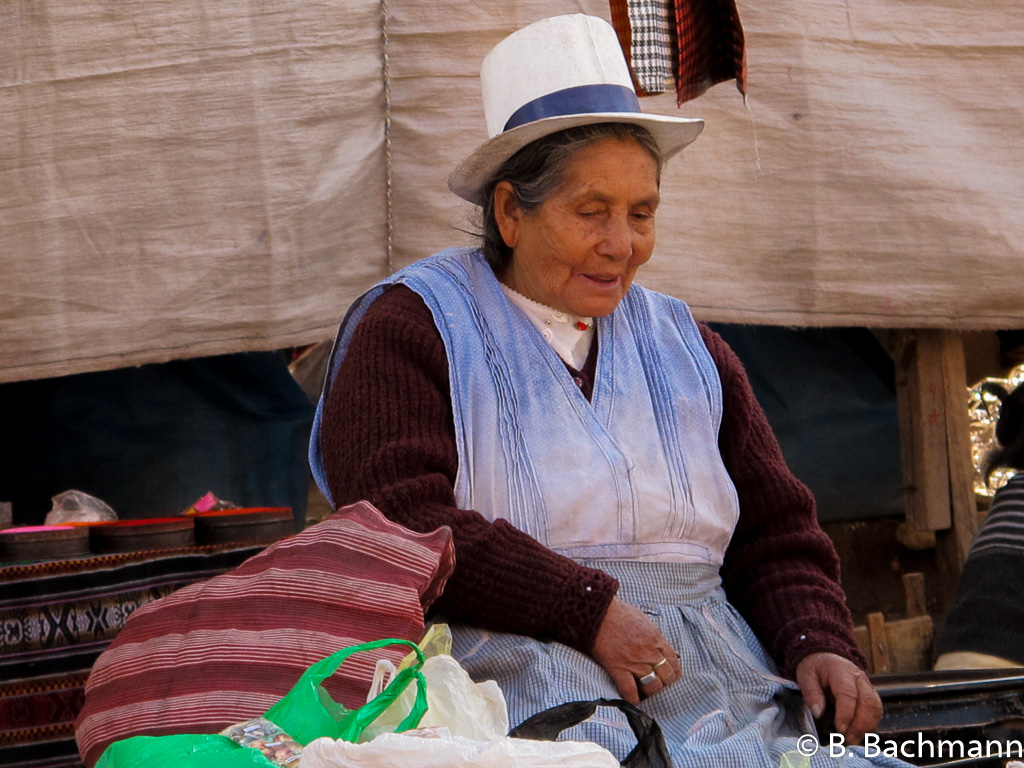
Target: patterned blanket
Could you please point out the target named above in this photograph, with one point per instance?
(57, 617)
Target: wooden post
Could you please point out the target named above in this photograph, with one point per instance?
(931, 390)
(913, 594)
(920, 394)
(879, 643)
(964, 505)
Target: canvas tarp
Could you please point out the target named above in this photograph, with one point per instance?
(184, 179)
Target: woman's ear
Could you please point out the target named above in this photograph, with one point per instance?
(507, 213)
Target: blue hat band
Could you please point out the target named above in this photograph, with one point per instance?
(579, 100)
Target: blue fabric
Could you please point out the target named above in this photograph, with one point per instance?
(582, 99)
(634, 473)
(730, 709)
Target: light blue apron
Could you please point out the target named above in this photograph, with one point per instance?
(635, 473)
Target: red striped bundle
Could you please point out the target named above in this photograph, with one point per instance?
(225, 650)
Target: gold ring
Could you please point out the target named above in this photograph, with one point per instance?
(663, 661)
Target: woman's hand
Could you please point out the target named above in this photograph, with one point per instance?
(629, 646)
(858, 707)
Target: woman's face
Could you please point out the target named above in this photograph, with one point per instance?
(579, 251)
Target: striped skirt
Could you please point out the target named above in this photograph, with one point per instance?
(731, 708)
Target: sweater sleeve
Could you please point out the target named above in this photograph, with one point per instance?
(781, 571)
(388, 436)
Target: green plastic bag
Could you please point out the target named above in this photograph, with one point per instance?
(192, 750)
(305, 713)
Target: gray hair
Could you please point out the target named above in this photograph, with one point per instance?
(538, 170)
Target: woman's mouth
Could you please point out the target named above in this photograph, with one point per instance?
(605, 280)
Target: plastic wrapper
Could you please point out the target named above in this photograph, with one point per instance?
(208, 502)
(78, 507)
(272, 742)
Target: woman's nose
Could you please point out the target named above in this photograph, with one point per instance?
(617, 242)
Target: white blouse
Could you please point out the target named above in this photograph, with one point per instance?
(569, 335)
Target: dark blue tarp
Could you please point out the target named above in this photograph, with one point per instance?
(151, 440)
(830, 398)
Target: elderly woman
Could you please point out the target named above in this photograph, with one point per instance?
(624, 522)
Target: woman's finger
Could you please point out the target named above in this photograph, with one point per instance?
(626, 685)
(650, 683)
(675, 663)
(808, 679)
(669, 668)
(868, 712)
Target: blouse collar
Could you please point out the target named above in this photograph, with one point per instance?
(569, 335)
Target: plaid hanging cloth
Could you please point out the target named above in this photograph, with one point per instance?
(710, 47)
(703, 38)
(651, 26)
(620, 22)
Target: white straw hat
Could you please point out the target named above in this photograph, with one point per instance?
(554, 74)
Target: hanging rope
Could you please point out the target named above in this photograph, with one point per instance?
(389, 223)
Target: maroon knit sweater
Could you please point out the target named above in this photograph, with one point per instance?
(388, 436)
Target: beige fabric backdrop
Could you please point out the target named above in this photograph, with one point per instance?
(187, 179)
(181, 179)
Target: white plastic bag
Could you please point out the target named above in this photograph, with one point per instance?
(440, 749)
(469, 710)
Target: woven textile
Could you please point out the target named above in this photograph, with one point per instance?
(620, 22)
(711, 47)
(695, 43)
(226, 650)
(50, 701)
(37, 718)
(1003, 528)
(85, 603)
(55, 619)
(651, 33)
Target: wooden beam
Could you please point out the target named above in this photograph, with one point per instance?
(931, 391)
(938, 474)
(923, 431)
(963, 502)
